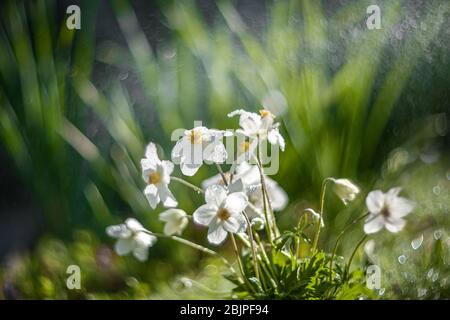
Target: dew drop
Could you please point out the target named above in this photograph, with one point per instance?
(430, 273)
(402, 259)
(416, 243)
(437, 190)
(437, 234)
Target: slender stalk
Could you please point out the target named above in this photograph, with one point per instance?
(347, 269)
(339, 237)
(250, 234)
(322, 204)
(192, 245)
(267, 225)
(241, 266)
(266, 258)
(273, 224)
(222, 174)
(188, 184)
(297, 241)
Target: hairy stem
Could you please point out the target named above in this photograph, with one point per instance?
(193, 245)
(322, 204)
(188, 184)
(339, 237)
(347, 269)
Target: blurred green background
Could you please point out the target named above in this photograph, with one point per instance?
(77, 108)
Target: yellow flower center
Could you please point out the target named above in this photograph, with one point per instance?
(154, 178)
(223, 214)
(266, 113)
(195, 136)
(244, 146)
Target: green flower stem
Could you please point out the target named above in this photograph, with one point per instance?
(322, 204)
(266, 258)
(347, 269)
(339, 237)
(193, 245)
(252, 243)
(266, 215)
(266, 194)
(241, 266)
(188, 184)
(303, 216)
(219, 168)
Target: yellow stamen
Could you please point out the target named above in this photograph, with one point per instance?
(244, 146)
(266, 113)
(154, 178)
(223, 214)
(195, 136)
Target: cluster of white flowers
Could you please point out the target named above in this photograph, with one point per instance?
(226, 201)
(235, 201)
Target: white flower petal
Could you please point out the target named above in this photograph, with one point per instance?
(151, 192)
(216, 232)
(375, 201)
(236, 202)
(144, 239)
(278, 197)
(395, 225)
(151, 153)
(124, 246)
(215, 152)
(147, 166)
(400, 207)
(133, 225)
(167, 198)
(168, 167)
(215, 195)
(119, 231)
(141, 253)
(235, 224)
(189, 169)
(176, 221)
(374, 223)
(204, 214)
(274, 136)
(177, 150)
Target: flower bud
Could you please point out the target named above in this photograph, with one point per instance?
(345, 190)
(257, 224)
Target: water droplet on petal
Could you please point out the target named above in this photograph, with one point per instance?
(402, 259)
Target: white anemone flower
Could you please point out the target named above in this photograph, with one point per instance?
(259, 126)
(176, 221)
(345, 190)
(198, 145)
(131, 238)
(222, 213)
(251, 185)
(156, 174)
(386, 210)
